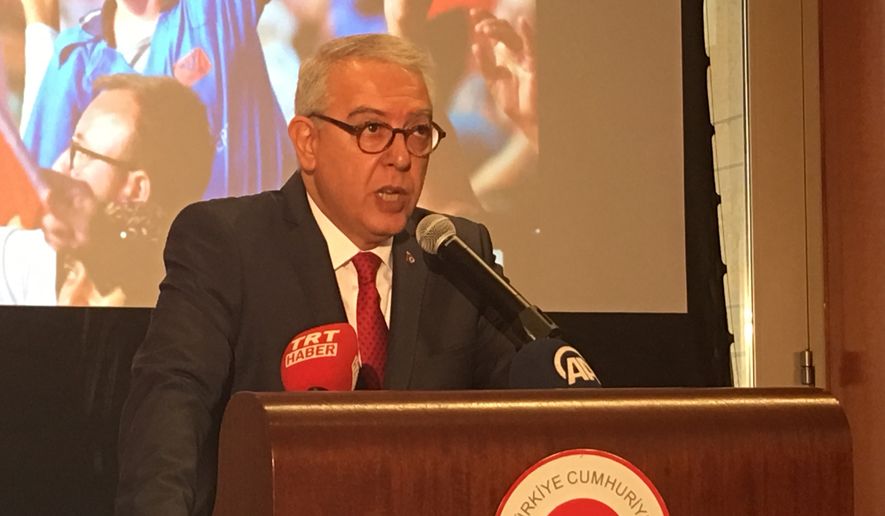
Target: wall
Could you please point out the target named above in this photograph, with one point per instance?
(783, 151)
(853, 107)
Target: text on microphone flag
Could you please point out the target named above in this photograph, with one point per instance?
(313, 344)
(571, 366)
(317, 337)
(310, 352)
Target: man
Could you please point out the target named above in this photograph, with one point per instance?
(139, 153)
(246, 275)
(210, 46)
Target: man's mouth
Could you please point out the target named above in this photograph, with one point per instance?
(390, 193)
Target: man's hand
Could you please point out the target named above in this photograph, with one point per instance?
(70, 206)
(41, 11)
(407, 18)
(78, 290)
(506, 59)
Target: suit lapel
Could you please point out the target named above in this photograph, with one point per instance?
(309, 254)
(409, 276)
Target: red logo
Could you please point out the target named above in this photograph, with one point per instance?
(192, 67)
(583, 483)
(583, 507)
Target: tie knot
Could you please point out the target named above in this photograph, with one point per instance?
(366, 267)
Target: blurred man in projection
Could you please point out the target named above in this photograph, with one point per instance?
(245, 275)
(139, 153)
(208, 45)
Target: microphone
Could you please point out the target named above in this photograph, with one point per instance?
(324, 358)
(436, 235)
(550, 364)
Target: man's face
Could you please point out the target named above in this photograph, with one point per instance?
(106, 129)
(368, 197)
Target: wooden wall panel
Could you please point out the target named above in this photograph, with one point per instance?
(853, 107)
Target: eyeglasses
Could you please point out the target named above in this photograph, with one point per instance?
(77, 148)
(376, 137)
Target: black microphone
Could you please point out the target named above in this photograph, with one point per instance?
(550, 364)
(437, 235)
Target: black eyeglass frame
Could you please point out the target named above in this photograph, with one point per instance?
(357, 131)
(76, 147)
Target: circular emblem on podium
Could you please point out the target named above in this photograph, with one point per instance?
(583, 483)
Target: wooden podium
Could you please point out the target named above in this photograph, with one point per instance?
(742, 452)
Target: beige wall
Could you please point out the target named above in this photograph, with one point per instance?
(853, 102)
(783, 126)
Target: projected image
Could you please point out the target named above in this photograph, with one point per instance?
(113, 117)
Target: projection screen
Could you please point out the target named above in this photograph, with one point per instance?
(567, 144)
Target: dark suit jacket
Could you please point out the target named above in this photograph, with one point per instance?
(243, 276)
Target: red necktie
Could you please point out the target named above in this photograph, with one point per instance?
(371, 329)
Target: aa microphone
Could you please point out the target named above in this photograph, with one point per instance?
(550, 364)
(324, 358)
(436, 235)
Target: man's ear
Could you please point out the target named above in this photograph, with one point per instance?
(303, 134)
(137, 187)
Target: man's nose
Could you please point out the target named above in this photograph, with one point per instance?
(63, 165)
(398, 154)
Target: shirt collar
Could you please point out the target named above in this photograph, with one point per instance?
(341, 249)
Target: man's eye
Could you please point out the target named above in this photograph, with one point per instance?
(422, 130)
(372, 127)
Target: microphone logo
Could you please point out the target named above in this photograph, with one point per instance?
(571, 366)
(323, 358)
(313, 345)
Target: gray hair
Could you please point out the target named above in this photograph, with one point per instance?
(310, 97)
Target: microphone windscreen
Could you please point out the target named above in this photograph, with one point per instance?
(433, 230)
(550, 364)
(322, 358)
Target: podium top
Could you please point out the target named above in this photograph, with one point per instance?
(709, 451)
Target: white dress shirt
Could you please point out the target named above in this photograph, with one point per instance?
(341, 250)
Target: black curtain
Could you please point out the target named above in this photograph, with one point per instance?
(691, 349)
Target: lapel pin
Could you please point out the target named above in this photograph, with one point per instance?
(409, 257)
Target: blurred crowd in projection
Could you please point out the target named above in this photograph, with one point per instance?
(115, 114)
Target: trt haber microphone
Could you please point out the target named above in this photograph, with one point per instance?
(436, 235)
(324, 358)
(550, 364)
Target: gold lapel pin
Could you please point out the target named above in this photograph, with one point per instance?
(409, 257)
